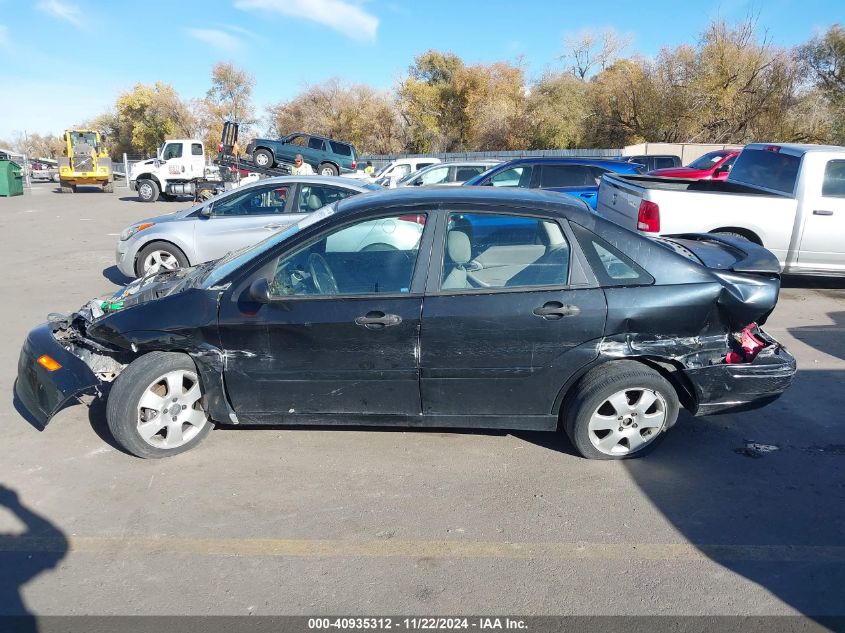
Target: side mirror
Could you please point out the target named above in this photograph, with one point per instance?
(418, 182)
(259, 290)
(205, 212)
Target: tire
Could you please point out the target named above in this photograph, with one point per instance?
(327, 169)
(734, 234)
(108, 187)
(56, 178)
(66, 187)
(148, 190)
(263, 158)
(589, 409)
(165, 254)
(155, 409)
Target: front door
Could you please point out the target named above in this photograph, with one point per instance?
(823, 238)
(242, 218)
(500, 334)
(177, 163)
(340, 334)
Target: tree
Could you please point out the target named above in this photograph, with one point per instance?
(145, 117)
(37, 146)
(589, 51)
(228, 99)
(824, 57)
(558, 112)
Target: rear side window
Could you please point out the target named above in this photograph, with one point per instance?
(421, 165)
(566, 176)
(484, 251)
(316, 143)
(663, 162)
(834, 179)
(610, 266)
(341, 149)
(462, 174)
(196, 149)
(773, 170)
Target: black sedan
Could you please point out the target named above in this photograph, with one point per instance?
(462, 308)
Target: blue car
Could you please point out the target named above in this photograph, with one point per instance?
(576, 176)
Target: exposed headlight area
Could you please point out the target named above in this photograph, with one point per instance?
(129, 231)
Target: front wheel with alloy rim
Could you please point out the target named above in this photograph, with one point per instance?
(156, 407)
(327, 169)
(158, 257)
(620, 410)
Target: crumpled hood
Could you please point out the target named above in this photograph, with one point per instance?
(152, 287)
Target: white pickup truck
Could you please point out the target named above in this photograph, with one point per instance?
(789, 198)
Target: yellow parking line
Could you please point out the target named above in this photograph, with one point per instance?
(393, 548)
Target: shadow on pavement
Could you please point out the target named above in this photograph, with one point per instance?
(113, 274)
(23, 556)
(829, 339)
(774, 513)
(806, 281)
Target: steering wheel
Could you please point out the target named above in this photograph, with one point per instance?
(322, 275)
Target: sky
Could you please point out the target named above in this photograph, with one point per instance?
(65, 61)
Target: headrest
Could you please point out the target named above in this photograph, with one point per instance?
(314, 202)
(458, 247)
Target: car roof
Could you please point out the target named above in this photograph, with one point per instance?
(545, 202)
(564, 160)
(798, 147)
(336, 181)
(320, 136)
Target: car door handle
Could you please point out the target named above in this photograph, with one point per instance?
(272, 227)
(822, 212)
(378, 320)
(587, 195)
(554, 310)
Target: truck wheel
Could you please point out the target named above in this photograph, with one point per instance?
(158, 257)
(148, 190)
(108, 187)
(56, 178)
(66, 187)
(263, 158)
(619, 411)
(327, 169)
(156, 406)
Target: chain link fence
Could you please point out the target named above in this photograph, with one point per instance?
(380, 160)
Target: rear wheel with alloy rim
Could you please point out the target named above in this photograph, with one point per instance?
(156, 407)
(620, 410)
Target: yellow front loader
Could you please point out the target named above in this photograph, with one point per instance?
(85, 162)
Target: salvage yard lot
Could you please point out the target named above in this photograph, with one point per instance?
(352, 521)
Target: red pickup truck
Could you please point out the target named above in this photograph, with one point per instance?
(712, 166)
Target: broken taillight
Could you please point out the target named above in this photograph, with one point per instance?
(648, 218)
(749, 343)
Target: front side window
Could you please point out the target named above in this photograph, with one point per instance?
(834, 179)
(313, 197)
(503, 251)
(301, 141)
(435, 176)
(196, 149)
(172, 150)
(462, 174)
(255, 201)
(369, 257)
(513, 177)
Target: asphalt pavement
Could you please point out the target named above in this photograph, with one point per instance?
(738, 514)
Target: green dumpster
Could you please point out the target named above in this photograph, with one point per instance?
(11, 178)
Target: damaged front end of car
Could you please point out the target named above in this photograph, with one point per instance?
(72, 356)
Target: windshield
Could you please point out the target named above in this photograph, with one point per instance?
(707, 161)
(224, 266)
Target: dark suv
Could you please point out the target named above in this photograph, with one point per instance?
(327, 156)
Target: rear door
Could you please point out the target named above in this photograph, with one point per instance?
(823, 237)
(243, 217)
(506, 308)
(316, 152)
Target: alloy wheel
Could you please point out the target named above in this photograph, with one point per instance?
(627, 421)
(170, 411)
(158, 261)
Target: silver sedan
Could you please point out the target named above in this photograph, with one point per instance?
(230, 221)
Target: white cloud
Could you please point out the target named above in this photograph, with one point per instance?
(342, 16)
(217, 38)
(62, 10)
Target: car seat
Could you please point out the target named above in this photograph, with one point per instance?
(459, 253)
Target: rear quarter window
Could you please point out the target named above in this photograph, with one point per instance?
(610, 266)
(341, 149)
